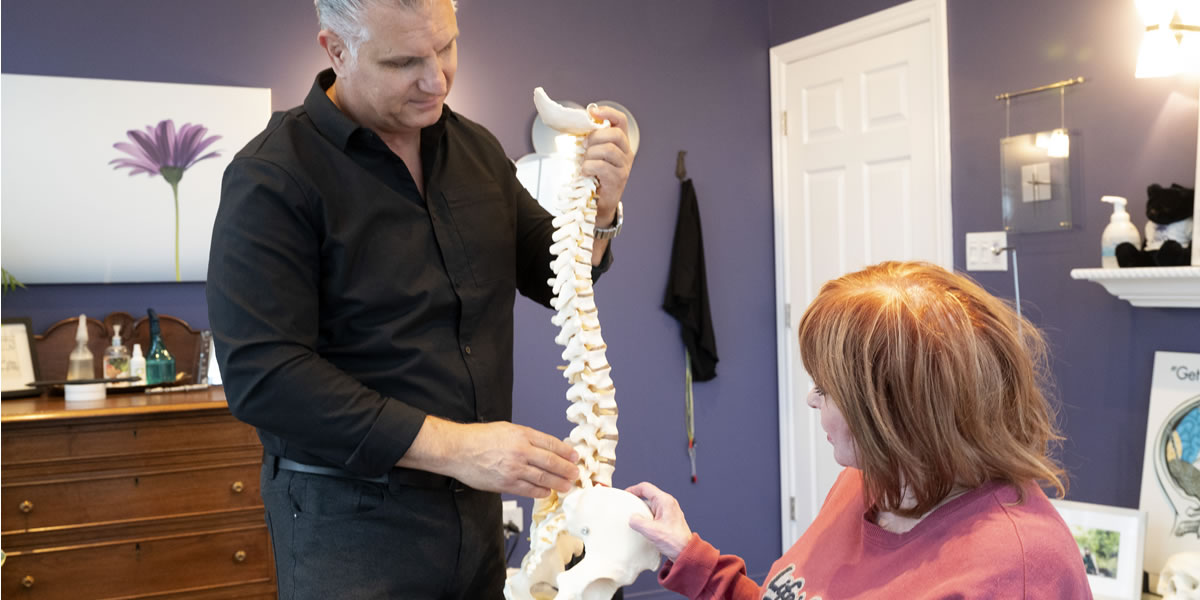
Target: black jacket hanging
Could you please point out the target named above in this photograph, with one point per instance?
(687, 287)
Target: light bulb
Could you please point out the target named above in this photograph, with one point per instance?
(1060, 144)
(1160, 55)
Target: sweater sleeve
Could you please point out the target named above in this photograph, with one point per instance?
(700, 571)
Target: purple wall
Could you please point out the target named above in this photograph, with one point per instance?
(693, 73)
(1129, 133)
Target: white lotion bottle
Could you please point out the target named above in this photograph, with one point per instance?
(1119, 230)
(137, 365)
(81, 364)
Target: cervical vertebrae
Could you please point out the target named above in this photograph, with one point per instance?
(556, 535)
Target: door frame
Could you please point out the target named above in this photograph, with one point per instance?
(871, 26)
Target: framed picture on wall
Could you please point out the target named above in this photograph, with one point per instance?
(18, 358)
(1110, 541)
(123, 176)
(1171, 465)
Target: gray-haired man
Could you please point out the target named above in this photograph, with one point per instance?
(364, 265)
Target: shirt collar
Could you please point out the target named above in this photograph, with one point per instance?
(339, 128)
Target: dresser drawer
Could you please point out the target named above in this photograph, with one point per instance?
(128, 497)
(226, 563)
(33, 443)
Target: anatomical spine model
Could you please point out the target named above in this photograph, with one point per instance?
(592, 518)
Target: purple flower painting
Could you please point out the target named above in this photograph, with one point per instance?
(160, 150)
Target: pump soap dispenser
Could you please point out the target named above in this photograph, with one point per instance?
(1119, 230)
(116, 359)
(82, 365)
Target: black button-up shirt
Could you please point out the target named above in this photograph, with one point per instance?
(345, 306)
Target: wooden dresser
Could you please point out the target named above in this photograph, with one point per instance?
(135, 496)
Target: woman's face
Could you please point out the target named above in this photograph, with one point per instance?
(836, 429)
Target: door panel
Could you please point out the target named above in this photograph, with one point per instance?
(861, 176)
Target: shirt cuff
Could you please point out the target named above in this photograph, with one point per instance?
(388, 440)
(689, 573)
(605, 262)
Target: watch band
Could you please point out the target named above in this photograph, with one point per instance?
(607, 233)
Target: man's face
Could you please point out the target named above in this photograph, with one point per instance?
(404, 69)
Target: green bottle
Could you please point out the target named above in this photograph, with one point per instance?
(160, 365)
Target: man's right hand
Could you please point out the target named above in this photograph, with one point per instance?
(494, 457)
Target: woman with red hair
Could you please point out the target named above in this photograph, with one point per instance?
(931, 392)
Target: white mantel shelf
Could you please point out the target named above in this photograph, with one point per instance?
(1170, 287)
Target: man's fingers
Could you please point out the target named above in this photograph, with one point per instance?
(553, 464)
(524, 488)
(548, 480)
(615, 117)
(610, 137)
(553, 444)
(600, 156)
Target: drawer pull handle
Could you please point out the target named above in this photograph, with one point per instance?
(238, 487)
(26, 507)
(27, 581)
(239, 556)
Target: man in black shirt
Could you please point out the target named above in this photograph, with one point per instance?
(363, 270)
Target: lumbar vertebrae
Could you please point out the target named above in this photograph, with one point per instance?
(592, 514)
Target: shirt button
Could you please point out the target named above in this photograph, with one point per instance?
(467, 350)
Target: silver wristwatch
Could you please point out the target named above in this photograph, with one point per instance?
(607, 233)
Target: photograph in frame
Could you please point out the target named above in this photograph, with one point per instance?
(1111, 543)
(116, 159)
(1170, 493)
(18, 357)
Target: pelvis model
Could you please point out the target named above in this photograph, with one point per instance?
(592, 519)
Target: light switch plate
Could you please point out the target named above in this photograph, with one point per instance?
(982, 252)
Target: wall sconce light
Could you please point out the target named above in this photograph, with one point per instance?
(1171, 44)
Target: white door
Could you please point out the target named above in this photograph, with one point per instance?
(861, 175)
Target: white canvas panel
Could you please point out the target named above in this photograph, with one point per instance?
(70, 217)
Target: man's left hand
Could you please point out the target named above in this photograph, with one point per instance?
(609, 157)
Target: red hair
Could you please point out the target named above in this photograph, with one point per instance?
(941, 383)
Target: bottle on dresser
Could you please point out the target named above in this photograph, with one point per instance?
(82, 364)
(137, 365)
(160, 364)
(116, 359)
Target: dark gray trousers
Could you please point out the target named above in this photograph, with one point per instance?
(335, 537)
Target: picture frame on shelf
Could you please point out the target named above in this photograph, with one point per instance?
(18, 358)
(1111, 542)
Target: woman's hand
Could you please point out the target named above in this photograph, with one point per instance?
(668, 531)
